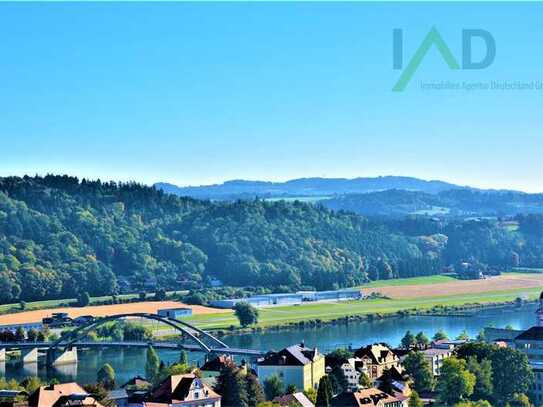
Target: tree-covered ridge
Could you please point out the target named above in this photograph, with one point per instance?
(60, 236)
(459, 202)
(243, 189)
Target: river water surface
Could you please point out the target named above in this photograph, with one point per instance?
(130, 362)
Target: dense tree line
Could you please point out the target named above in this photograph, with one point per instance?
(456, 202)
(61, 237)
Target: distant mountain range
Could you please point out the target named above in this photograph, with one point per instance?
(380, 196)
(306, 187)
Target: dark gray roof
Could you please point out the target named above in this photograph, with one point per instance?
(535, 333)
(11, 393)
(117, 394)
(295, 355)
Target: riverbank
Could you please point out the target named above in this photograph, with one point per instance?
(438, 295)
(334, 313)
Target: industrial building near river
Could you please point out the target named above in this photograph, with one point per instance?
(299, 297)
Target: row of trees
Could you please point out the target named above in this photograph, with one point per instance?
(31, 335)
(449, 203)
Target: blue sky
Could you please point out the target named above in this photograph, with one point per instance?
(201, 93)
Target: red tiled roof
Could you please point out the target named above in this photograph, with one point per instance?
(48, 396)
(363, 398)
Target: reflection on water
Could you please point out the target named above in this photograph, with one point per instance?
(126, 362)
(389, 330)
(67, 371)
(130, 362)
(30, 369)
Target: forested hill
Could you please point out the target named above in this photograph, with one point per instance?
(60, 236)
(381, 196)
(451, 203)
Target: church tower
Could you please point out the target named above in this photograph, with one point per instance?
(539, 312)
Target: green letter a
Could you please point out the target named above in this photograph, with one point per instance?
(433, 37)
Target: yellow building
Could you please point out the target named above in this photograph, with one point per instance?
(297, 365)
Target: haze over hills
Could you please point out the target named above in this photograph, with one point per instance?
(380, 196)
(306, 187)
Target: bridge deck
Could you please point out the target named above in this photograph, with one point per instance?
(157, 345)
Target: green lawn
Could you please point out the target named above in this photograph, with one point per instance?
(327, 311)
(410, 281)
(527, 270)
(32, 305)
(309, 199)
(434, 210)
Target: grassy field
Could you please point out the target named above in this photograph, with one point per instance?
(437, 279)
(433, 211)
(328, 311)
(410, 281)
(528, 270)
(453, 292)
(308, 199)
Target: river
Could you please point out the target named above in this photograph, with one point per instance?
(130, 362)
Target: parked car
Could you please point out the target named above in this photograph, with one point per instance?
(84, 320)
(57, 320)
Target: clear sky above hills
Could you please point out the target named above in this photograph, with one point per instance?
(201, 93)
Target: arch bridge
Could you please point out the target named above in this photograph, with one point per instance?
(198, 340)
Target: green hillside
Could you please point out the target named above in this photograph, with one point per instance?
(60, 236)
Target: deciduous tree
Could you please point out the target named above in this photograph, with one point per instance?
(420, 370)
(106, 376)
(414, 400)
(273, 387)
(409, 341)
(511, 374)
(152, 364)
(246, 314)
(324, 393)
(440, 335)
(483, 378)
(455, 382)
(422, 340)
(255, 394)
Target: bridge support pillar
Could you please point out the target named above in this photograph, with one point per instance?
(67, 358)
(2, 355)
(31, 356)
(50, 357)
